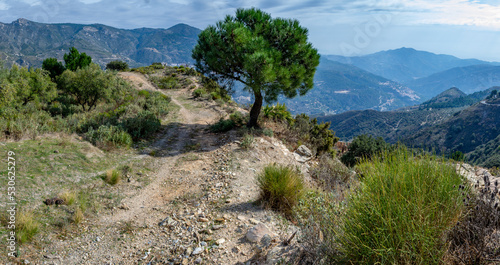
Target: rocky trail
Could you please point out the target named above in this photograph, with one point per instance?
(199, 207)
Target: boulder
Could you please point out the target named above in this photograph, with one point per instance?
(256, 233)
(304, 151)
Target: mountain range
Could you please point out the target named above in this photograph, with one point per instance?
(28, 43)
(451, 121)
(426, 73)
(405, 64)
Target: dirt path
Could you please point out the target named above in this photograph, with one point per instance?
(197, 207)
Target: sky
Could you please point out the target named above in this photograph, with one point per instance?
(463, 28)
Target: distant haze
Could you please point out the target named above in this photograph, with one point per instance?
(463, 28)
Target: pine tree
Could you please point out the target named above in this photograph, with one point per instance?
(271, 57)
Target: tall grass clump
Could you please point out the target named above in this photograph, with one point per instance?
(401, 212)
(26, 226)
(112, 177)
(281, 187)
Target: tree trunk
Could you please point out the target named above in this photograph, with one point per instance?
(255, 111)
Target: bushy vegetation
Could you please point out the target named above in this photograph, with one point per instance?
(247, 141)
(281, 187)
(87, 85)
(211, 90)
(146, 70)
(300, 130)
(399, 213)
(239, 118)
(486, 155)
(473, 239)
(117, 66)
(89, 101)
(330, 173)
(277, 113)
(165, 82)
(364, 147)
(107, 136)
(222, 126)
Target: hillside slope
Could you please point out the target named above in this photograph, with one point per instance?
(469, 79)
(29, 43)
(340, 87)
(464, 131)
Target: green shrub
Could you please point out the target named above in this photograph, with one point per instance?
(143, 125)
(144, 93)
(247, 141)
(198, 93)
(238, 118)
(318, 137)
(330, 173)
(214, 95)
(277, 113)
(363, 147)
(281, 187)
(165, 82)
(108, 135)
(117, 65)
(401, 211)
(222, 126)
(157, 103)
(268, 132)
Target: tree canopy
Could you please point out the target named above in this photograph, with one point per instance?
(19, 86)
(75, 59)
(271, 57)
(117, 65)
(87, 85)
(54, 67)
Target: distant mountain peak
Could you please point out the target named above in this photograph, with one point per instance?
(22, 21)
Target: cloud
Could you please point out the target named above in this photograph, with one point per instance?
(4, 5)
(458, 12)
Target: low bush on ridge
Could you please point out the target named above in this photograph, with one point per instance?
(281, 187)
(299, 130)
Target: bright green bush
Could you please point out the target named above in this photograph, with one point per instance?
(222, 126)
(165, 82)
(109, 136)
(239, 118)
(281, 187)
(198, 93)
(89, 85)
(401, 212)
(143, 125)
(144, 93)
(117, 66)
(318, 137)
(277, 113)
(363, 147)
